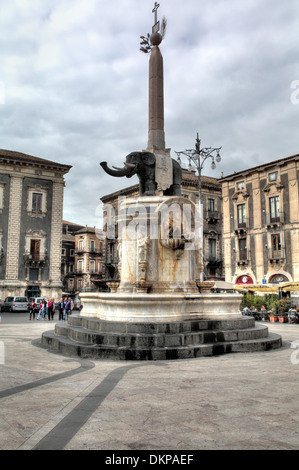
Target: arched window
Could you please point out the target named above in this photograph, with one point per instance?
(245, 279)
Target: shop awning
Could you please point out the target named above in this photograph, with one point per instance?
(258, 287)
(284, 286)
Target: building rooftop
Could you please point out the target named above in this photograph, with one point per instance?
(23, 158)
(262, 167)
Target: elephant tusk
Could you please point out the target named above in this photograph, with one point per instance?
(130, 165)
(116, 168)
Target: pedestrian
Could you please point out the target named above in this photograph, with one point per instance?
(45, 310)
(50, 309)
(61, 308)
(80, 306)
(68, 308)
(41, 310)
(32, 310)
(64, 308)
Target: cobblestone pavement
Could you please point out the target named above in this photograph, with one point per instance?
(235, 401)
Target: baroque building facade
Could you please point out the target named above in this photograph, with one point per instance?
(261, 223)
(31, 207)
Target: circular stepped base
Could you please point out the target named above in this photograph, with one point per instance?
(99, 339)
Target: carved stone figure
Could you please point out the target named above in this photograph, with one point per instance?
(143, 164)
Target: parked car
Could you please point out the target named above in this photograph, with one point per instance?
(15, 304)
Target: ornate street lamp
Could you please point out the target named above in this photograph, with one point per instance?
(198, 156)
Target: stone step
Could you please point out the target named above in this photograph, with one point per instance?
(145, 340)
(104, 326)
(68, 346)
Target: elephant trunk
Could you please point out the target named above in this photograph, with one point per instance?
(125, 171)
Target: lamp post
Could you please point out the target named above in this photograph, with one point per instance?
(198, 157)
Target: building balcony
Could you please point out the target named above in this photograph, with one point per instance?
(241, 226)
(212, 260)
(276, 256)
(35, 260)
(212, 217)
(243, 257)
(272, 221)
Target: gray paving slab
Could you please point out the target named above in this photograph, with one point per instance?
(240, 401)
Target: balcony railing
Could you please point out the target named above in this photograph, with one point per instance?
(276, 219)
(212, 216)
(35, 259)
(243, 257)
(276, 255)
(241, 225)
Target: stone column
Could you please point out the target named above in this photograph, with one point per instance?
(14, 224)
(56, 235)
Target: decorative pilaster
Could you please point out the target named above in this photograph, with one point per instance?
(14, 223)
(56, 235)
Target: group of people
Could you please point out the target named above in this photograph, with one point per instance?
(66, 306)
(46, 308)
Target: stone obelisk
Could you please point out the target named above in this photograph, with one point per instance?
(156, 136)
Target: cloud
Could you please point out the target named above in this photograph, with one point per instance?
(76, 85)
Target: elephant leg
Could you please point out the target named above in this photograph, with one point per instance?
(176, 190)
(150, 188)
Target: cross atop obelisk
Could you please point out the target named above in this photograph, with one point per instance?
(156, 137)
(156, 26)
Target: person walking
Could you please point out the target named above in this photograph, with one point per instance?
(61, 308)
(50, 309)
(68, 308)
(41, 310)
(32, 310)
(45, 308)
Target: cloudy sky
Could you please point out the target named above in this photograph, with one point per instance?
(74, 85)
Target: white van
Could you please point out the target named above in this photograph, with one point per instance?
(15, 304)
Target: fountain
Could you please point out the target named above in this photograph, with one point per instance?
(160, 308)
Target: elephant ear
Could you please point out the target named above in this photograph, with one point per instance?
(148, 158)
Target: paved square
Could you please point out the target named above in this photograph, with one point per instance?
(235, 401)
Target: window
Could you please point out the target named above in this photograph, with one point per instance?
(241, 211)
(80, 265)
(274, 209)
(1, 197)
(111, 249)
(72, 252)
(240, 185)
(101, 247)
(273, 176)
(242, 249)
(33, 274)
(71, 268)
(80, 245)
(37, 202)
(211, 205)
(35, 249)
(212, 249)
(92, 245)
(92, 266)
(276, 245)
(63, 252)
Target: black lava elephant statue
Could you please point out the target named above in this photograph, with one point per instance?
(143, 164)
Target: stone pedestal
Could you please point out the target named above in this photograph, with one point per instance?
(160, 264)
